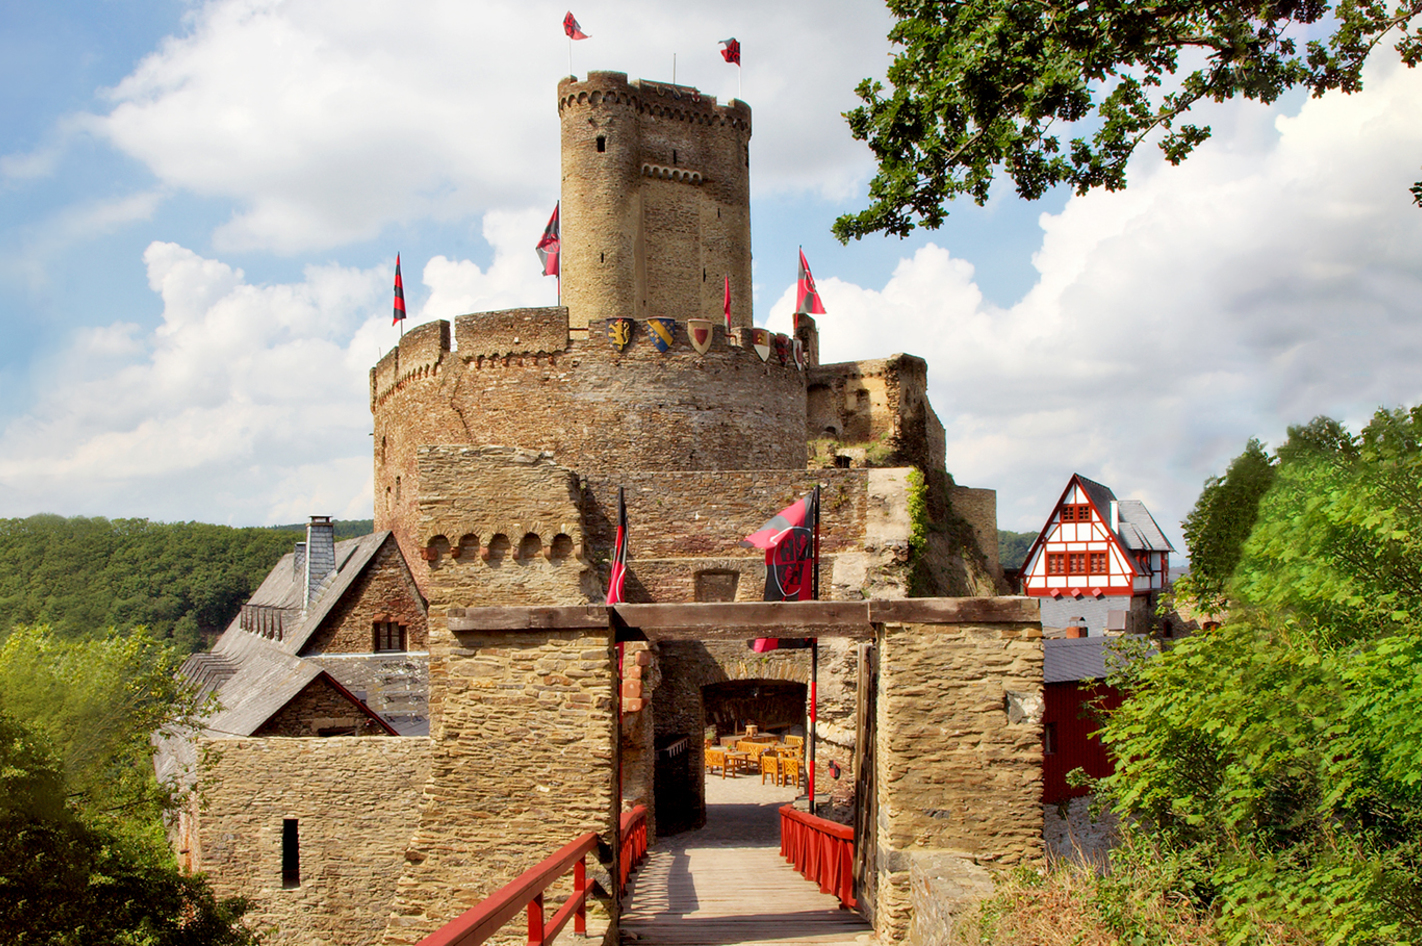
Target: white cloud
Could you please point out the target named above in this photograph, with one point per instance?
(1248, 289)
(247, 403)
(237, 388)
(325, 121)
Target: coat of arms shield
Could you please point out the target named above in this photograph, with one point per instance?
(699, 331)
(760, 341)
(782, 348)
(620, 332)
(663, 332)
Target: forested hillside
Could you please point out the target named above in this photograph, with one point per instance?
(82, 576)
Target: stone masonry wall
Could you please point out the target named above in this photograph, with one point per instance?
(319, 706)
(592, 408)
(356, 806)
(523, 762)
(386, 592)
(958, 757)
(875, 412)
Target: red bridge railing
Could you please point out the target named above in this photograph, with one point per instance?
(476, 925)
(822, 851)
(634, 844)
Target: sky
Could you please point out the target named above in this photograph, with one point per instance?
(202, 204)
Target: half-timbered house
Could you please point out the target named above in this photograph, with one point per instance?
(1098, 564)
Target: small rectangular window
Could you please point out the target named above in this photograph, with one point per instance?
(1056, 563)
(1098, 563)
(389, 637)
(1076, 563)
(601, 144)
(290, 855)
(1049, 739)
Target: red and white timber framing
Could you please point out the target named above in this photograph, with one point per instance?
(1080, 552)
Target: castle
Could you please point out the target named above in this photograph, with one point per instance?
(501, 443)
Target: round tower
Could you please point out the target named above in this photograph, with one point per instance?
(655, 201)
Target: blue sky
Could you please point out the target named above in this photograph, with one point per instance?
(203, 201)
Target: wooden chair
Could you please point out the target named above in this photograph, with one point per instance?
(791, 767)
(716, 758)
(752, 749)
(772, 765)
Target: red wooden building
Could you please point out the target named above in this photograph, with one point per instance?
(1075, 692)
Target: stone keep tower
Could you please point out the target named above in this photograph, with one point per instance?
(656, 201)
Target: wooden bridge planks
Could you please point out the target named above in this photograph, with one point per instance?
(719, 895)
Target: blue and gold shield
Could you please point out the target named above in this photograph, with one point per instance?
(663, 332)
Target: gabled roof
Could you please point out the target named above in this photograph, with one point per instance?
(255, 676)
(1136, 527)
(284, 586)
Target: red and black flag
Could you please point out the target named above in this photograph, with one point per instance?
(807, 297)
(399, 294)
(618, 576)
(550, 247)
(791, 543)
(731, 51)
(571, 27)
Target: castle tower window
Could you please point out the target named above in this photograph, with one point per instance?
(601, 144)
(389, 637)
(673, 157)
(290, 855)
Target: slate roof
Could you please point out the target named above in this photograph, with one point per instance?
(284, 586)
(255, 676)
(1066, 660)
(1138, 530)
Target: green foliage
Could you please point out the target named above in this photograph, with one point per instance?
(1012, 547)
(1221, 520)
(82, 576)
(67, 882)
(1279, 758)
(1340, 534)
(344, 528)
(981, 86)
(97, 704)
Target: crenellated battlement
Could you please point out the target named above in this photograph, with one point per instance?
(658, 99)
(518, 340)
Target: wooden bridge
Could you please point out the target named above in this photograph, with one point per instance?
(759, 872)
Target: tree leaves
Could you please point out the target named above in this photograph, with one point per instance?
(986, 86)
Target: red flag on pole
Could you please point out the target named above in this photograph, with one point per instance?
(726, 305)
(618, 576)
(399, 294)
(571, 27)
(789, 543)
(732, 51)
(550, 247)
(807, 297)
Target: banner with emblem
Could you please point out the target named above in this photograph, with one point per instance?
(798, 350)
(782, 348)
(760, 341)
(699, 331)
(620, 332)
(663, 332)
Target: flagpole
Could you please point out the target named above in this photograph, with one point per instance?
(570, 58)
(814, 654)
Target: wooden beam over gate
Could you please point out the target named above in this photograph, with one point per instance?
(738, 620)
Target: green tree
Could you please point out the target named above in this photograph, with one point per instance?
(98, 704)
(1221, 520)
(1276, 764)
(982, 86)
(65, 881)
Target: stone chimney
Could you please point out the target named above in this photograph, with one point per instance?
(298, 562)
(320, 556)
